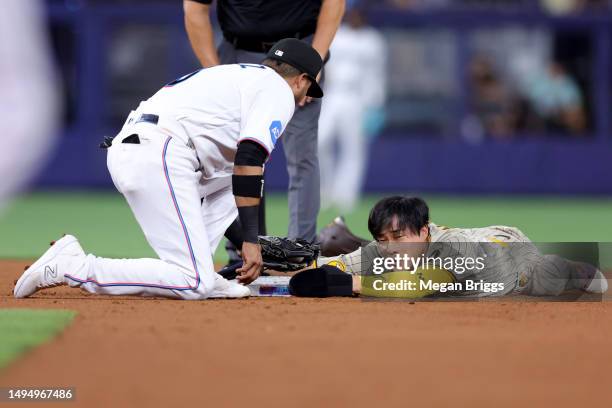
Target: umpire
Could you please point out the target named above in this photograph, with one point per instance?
(250, 27)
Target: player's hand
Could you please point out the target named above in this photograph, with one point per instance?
(252, 263)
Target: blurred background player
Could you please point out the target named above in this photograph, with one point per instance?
(356, 86)
(249, 30)
(28, 99)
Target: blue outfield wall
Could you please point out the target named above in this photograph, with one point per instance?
(518, 167)
(400, 164)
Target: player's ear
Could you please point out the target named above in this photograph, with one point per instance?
(424, 231)
(297, 82)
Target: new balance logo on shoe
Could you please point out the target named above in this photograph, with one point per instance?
(51, 272)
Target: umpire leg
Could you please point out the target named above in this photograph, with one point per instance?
(300, 146)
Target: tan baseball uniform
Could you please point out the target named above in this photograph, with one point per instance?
(507, 255)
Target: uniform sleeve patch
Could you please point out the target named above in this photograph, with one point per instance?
(276, 128)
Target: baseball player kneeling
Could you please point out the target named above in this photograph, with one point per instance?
(189, 161)
(412, 257)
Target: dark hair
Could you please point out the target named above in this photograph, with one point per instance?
(283, 69)
(411, 213)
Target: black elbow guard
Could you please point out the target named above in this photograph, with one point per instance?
(250, 154)
(247, 186)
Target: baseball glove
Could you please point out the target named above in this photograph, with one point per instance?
(285, 255)
(280, 254)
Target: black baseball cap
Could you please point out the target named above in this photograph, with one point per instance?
(301, 55)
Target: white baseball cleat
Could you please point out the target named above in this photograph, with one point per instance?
(228, 289)
(64, 256)
(599, 283)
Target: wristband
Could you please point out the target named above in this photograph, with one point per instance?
(249, 219)
(247, 186)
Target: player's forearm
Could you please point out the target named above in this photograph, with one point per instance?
(247, 182)
(246, 201)
(328, 22)
(200, 32)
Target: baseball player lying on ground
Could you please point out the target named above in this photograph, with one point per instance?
(503, 260)
(189, 161)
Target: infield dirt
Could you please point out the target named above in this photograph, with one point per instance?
(318, 352)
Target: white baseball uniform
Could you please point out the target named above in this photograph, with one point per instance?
(177, 180)
(354, 86)
(29, 103)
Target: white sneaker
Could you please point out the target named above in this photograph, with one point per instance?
(599, 283)
(228, 289)
(64, 256)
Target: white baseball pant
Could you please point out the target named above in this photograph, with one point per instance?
(183, 219)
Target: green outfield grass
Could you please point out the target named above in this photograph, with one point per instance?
(105, 226)
(23, 329)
